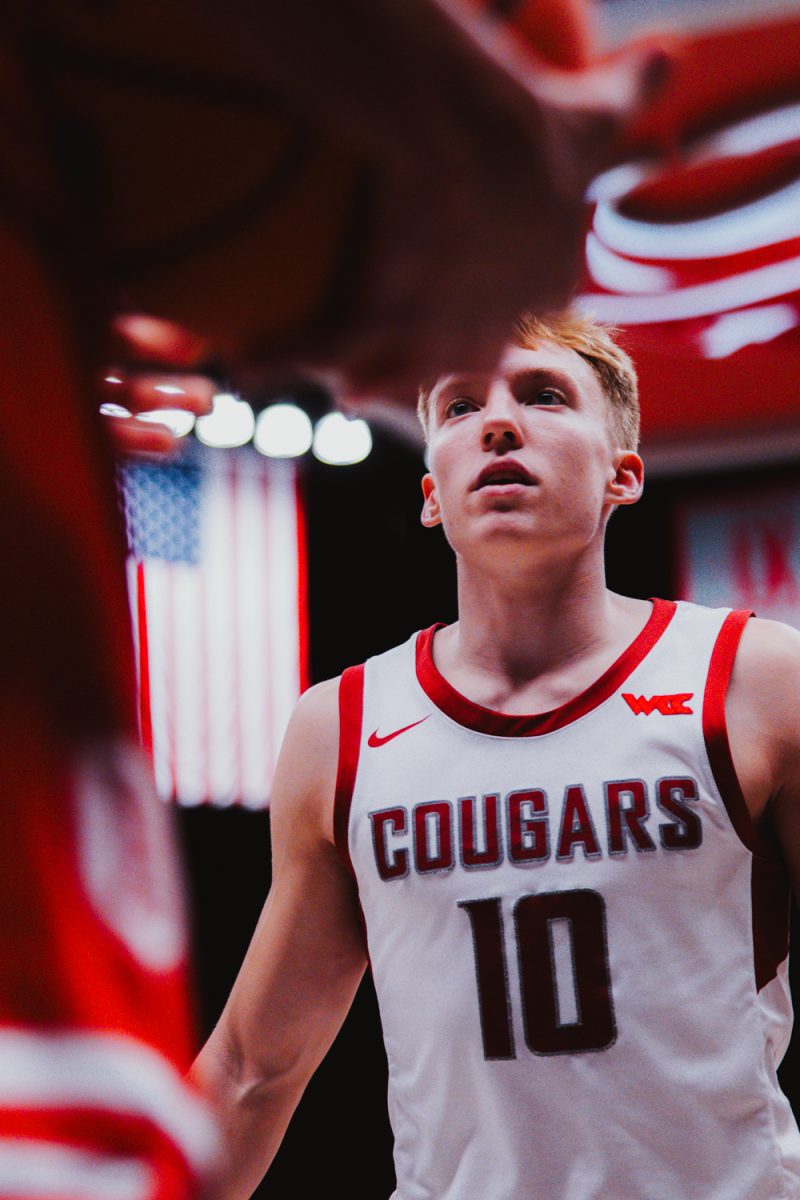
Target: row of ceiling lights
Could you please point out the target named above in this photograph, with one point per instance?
(282, 430)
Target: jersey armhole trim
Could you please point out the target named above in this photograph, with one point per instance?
(351, 710)
(715, 733)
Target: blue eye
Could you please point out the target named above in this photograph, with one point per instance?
(547, 397)
(457, 407)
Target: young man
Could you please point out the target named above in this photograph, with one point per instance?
(576, 920)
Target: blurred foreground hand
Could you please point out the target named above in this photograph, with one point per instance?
(459, 252)
(151, 368)
(376, 228)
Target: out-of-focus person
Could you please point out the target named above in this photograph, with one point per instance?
(365, 189)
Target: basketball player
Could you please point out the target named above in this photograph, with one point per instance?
(561, 831)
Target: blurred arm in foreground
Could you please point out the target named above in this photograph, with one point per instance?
(481, 137)
(372, 189)
(368, 190)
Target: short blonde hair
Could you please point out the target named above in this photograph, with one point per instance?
(593, 342)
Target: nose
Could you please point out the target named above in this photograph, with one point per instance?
(501, 426)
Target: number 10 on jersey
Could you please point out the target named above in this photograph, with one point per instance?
(565, 984)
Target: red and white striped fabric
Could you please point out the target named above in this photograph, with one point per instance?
(217, 581)
(95, 1037)
(91, 1090)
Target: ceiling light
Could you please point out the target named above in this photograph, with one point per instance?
(283, 431)
(230, 423)
(340, 441)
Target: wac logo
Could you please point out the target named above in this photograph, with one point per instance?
(669, 706)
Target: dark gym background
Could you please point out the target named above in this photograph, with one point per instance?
(375, 576)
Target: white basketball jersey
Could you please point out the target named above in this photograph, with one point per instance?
(578, 939)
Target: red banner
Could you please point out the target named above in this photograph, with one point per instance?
(743, 552)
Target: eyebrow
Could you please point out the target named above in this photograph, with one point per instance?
(538, 375)
(522, 377)
(456, 382)
(444, 389)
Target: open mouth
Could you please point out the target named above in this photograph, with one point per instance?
(504, 475)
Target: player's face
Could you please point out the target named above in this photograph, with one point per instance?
(525, 458)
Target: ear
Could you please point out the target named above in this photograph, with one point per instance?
(431, 514)
(627, 481)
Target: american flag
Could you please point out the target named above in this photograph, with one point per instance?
(217, 583)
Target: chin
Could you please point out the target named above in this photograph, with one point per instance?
(497, 539)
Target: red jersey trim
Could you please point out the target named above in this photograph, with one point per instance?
(715, 733)
(351, 711)
(769, 885)
(485, 720)
(771, 898)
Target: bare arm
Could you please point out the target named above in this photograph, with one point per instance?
(763, 712)
(304, 963)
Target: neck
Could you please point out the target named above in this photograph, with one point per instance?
(527, 623)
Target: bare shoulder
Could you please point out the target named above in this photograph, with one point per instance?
(315, 720)
(767, 667)
(305, 777)
(763, 711)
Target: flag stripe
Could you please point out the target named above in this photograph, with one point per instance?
(302, 585)
(146, 728)
(217, 578)
(204, 699)
(282, 601)
(268, 651)
(170, 651)
(156, 597)
(233, 617)
(253, 624)
(188, 683)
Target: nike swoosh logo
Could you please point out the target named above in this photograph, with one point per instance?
(375, 740)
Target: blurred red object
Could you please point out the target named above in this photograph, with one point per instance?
(694, 240)
(95, 1029)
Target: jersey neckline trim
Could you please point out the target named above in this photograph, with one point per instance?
(485, 720)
